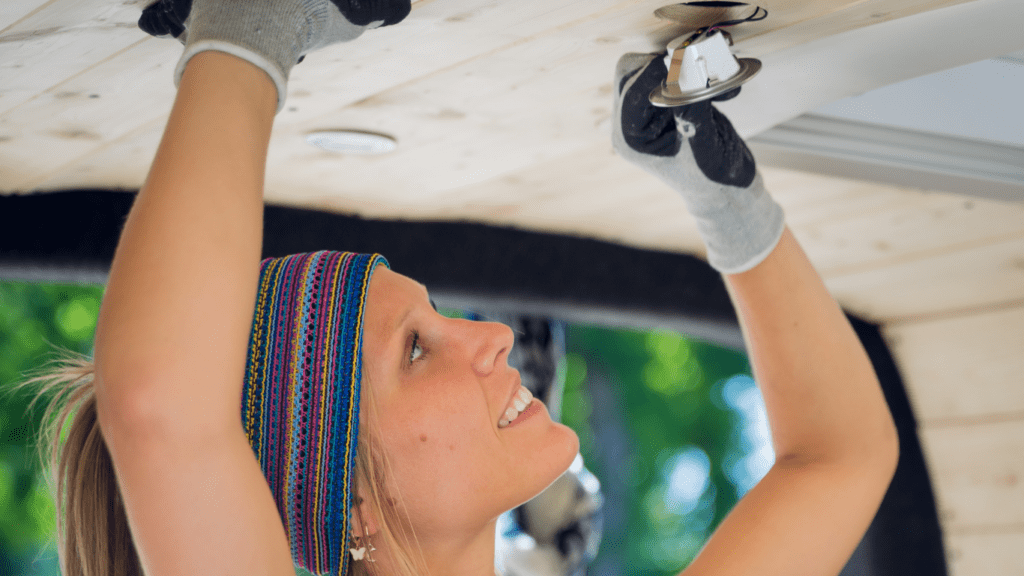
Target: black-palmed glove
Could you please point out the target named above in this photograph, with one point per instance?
(695, 150)
(271, 34)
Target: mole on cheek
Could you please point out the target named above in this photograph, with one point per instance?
(423, 437)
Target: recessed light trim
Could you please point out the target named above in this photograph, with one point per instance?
(352, 142)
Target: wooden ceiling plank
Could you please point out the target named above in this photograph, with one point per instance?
(990, 552)
(986, 275)
(940, 359)
(87, 112)
(14, 11)
(432, 40)
(58, 42)
(580, 193)
(895, 225)
(120, 164)
(975, 472)
(138, 105)
(492, 111)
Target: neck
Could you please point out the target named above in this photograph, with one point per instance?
(470, 554)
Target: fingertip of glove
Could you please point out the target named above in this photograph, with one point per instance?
(389, 12)
(400, 13)
(155, 20)
(151, 23)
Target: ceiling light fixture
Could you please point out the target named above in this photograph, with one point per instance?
(352, 141)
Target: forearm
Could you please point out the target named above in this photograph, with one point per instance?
(822, 396)
(178, 307)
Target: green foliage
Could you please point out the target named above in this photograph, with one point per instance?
(664, 390)
(34, 318)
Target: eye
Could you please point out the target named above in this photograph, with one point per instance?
(415, 351)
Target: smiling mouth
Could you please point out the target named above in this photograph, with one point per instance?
(519, 404)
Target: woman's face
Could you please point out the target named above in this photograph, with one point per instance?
(440, 387)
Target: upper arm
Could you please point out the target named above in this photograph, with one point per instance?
(800, 519)
(197, 504)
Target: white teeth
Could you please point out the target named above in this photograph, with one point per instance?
(519, 403)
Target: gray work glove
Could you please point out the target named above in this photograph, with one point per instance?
(271, 34)
(695, 150)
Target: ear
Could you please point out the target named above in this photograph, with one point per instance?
(362, 512)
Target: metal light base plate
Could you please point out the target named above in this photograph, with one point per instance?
(694, 17)
(672, 96)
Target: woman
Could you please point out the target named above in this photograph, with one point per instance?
(378, 436)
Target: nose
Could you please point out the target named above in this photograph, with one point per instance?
(492, 343)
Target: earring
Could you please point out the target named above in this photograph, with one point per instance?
(358, 553)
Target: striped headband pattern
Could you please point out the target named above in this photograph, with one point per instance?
(300, 399)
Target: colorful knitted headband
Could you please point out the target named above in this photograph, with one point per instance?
(300, 399)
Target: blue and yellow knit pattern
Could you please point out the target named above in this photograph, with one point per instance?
(300, 399)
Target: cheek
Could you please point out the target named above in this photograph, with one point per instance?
(440, 448)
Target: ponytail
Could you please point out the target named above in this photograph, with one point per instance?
(93, 538)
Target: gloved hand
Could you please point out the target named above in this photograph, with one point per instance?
(271, 34)
(695, 150)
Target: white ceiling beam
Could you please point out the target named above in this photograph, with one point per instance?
(879, 153)
(805, 77)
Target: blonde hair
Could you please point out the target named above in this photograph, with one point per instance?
(92, 532)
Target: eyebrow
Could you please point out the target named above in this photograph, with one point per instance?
(401, 321)
(405, 316)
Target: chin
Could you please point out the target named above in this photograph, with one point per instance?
(553, 464)
(572, 441)
(561, 445)
(562, 449)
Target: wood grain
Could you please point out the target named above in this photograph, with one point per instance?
(986, 553)
(963, 369)
(978, 475)
(988, 274)
(15, 10)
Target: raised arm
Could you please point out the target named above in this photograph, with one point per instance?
(171, 341)
(835, 442)
(175, 321)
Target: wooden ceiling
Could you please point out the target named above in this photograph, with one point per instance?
(501, 112)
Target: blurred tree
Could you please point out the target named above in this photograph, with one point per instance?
(657, 395)
(34, 318)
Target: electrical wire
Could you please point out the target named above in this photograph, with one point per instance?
(758, 15)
